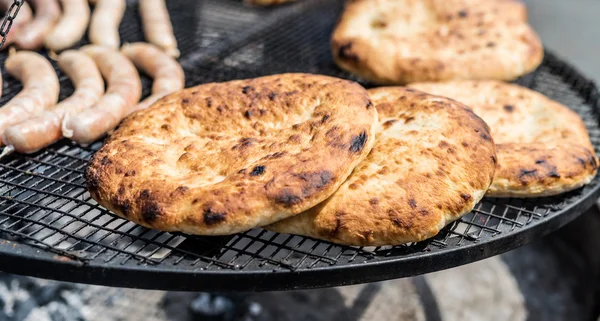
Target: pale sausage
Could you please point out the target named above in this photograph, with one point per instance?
(71, 25)
(40, 88)
(104, 25)
(40, 131)
(124, 89)
(167, 72)
(31, 36)
(157, 26)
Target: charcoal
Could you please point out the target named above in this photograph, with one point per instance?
(22, 309)
(61, 312)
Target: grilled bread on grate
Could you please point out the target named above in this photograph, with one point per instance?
(403, 41)
(543, 147)
(432, 161)
(223, 158)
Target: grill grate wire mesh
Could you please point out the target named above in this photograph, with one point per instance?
(43, 201)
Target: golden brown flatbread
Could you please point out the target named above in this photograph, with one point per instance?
(404, 41)
(543, 147)
(432, 161)
(223, 158)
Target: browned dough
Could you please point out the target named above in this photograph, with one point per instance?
(404, 41)
(222, 158)
(543, 147)
(432, 161)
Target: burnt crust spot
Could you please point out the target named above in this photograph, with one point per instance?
(338, 223)
(553, 173)
(92, 180)
(182, 189)
(412, 203)
(105, 161)
(314, 181)
(463, 13)
(275, 155)
(185, 101)
(246, 89)
(485, 136)
(369, 104)
(150, 211)
(345, 52)
(272, 96)
(374, 201)
(125, 206)
(540, 161)
(209, 101)
(212, 217)
(525, 173)
(389, 123)
(465, 197)
(358, 142)
(258, 170)
(287, 198)
(509, 108)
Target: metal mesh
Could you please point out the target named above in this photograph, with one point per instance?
(43, 201)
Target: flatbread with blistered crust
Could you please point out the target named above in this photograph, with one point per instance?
(543, 147)
(432, 161)
(404, 41)
(223, 158)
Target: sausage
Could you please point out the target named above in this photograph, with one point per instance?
(38, 132)
(166, 71)
(124, 89)
(23, 17)
(157, 26)
(31, 36)
(40, 88)
(71, 26)
(104, 26)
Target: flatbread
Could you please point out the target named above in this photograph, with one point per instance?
(543, 147)
(432, 162)
(404, 41)
(223, 158)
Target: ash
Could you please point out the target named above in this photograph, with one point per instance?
(496, 289)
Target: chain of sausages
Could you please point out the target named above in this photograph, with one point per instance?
(33, 119)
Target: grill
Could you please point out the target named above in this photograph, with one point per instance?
(50, 227)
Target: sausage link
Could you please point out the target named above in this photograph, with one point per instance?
(38, 132)
(104, 26)
(167, 72)
(31, 36)
(157, 25)
(23, 17)
(40, 88)
(124, 89)
(71, 26)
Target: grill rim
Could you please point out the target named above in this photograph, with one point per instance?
(25, 259)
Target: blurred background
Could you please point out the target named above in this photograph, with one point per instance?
(571, 29)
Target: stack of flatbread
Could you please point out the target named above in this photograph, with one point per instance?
(323, 157)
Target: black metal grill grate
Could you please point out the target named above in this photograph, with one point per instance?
(46, 213)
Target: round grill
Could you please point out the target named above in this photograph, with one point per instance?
(50, 227)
